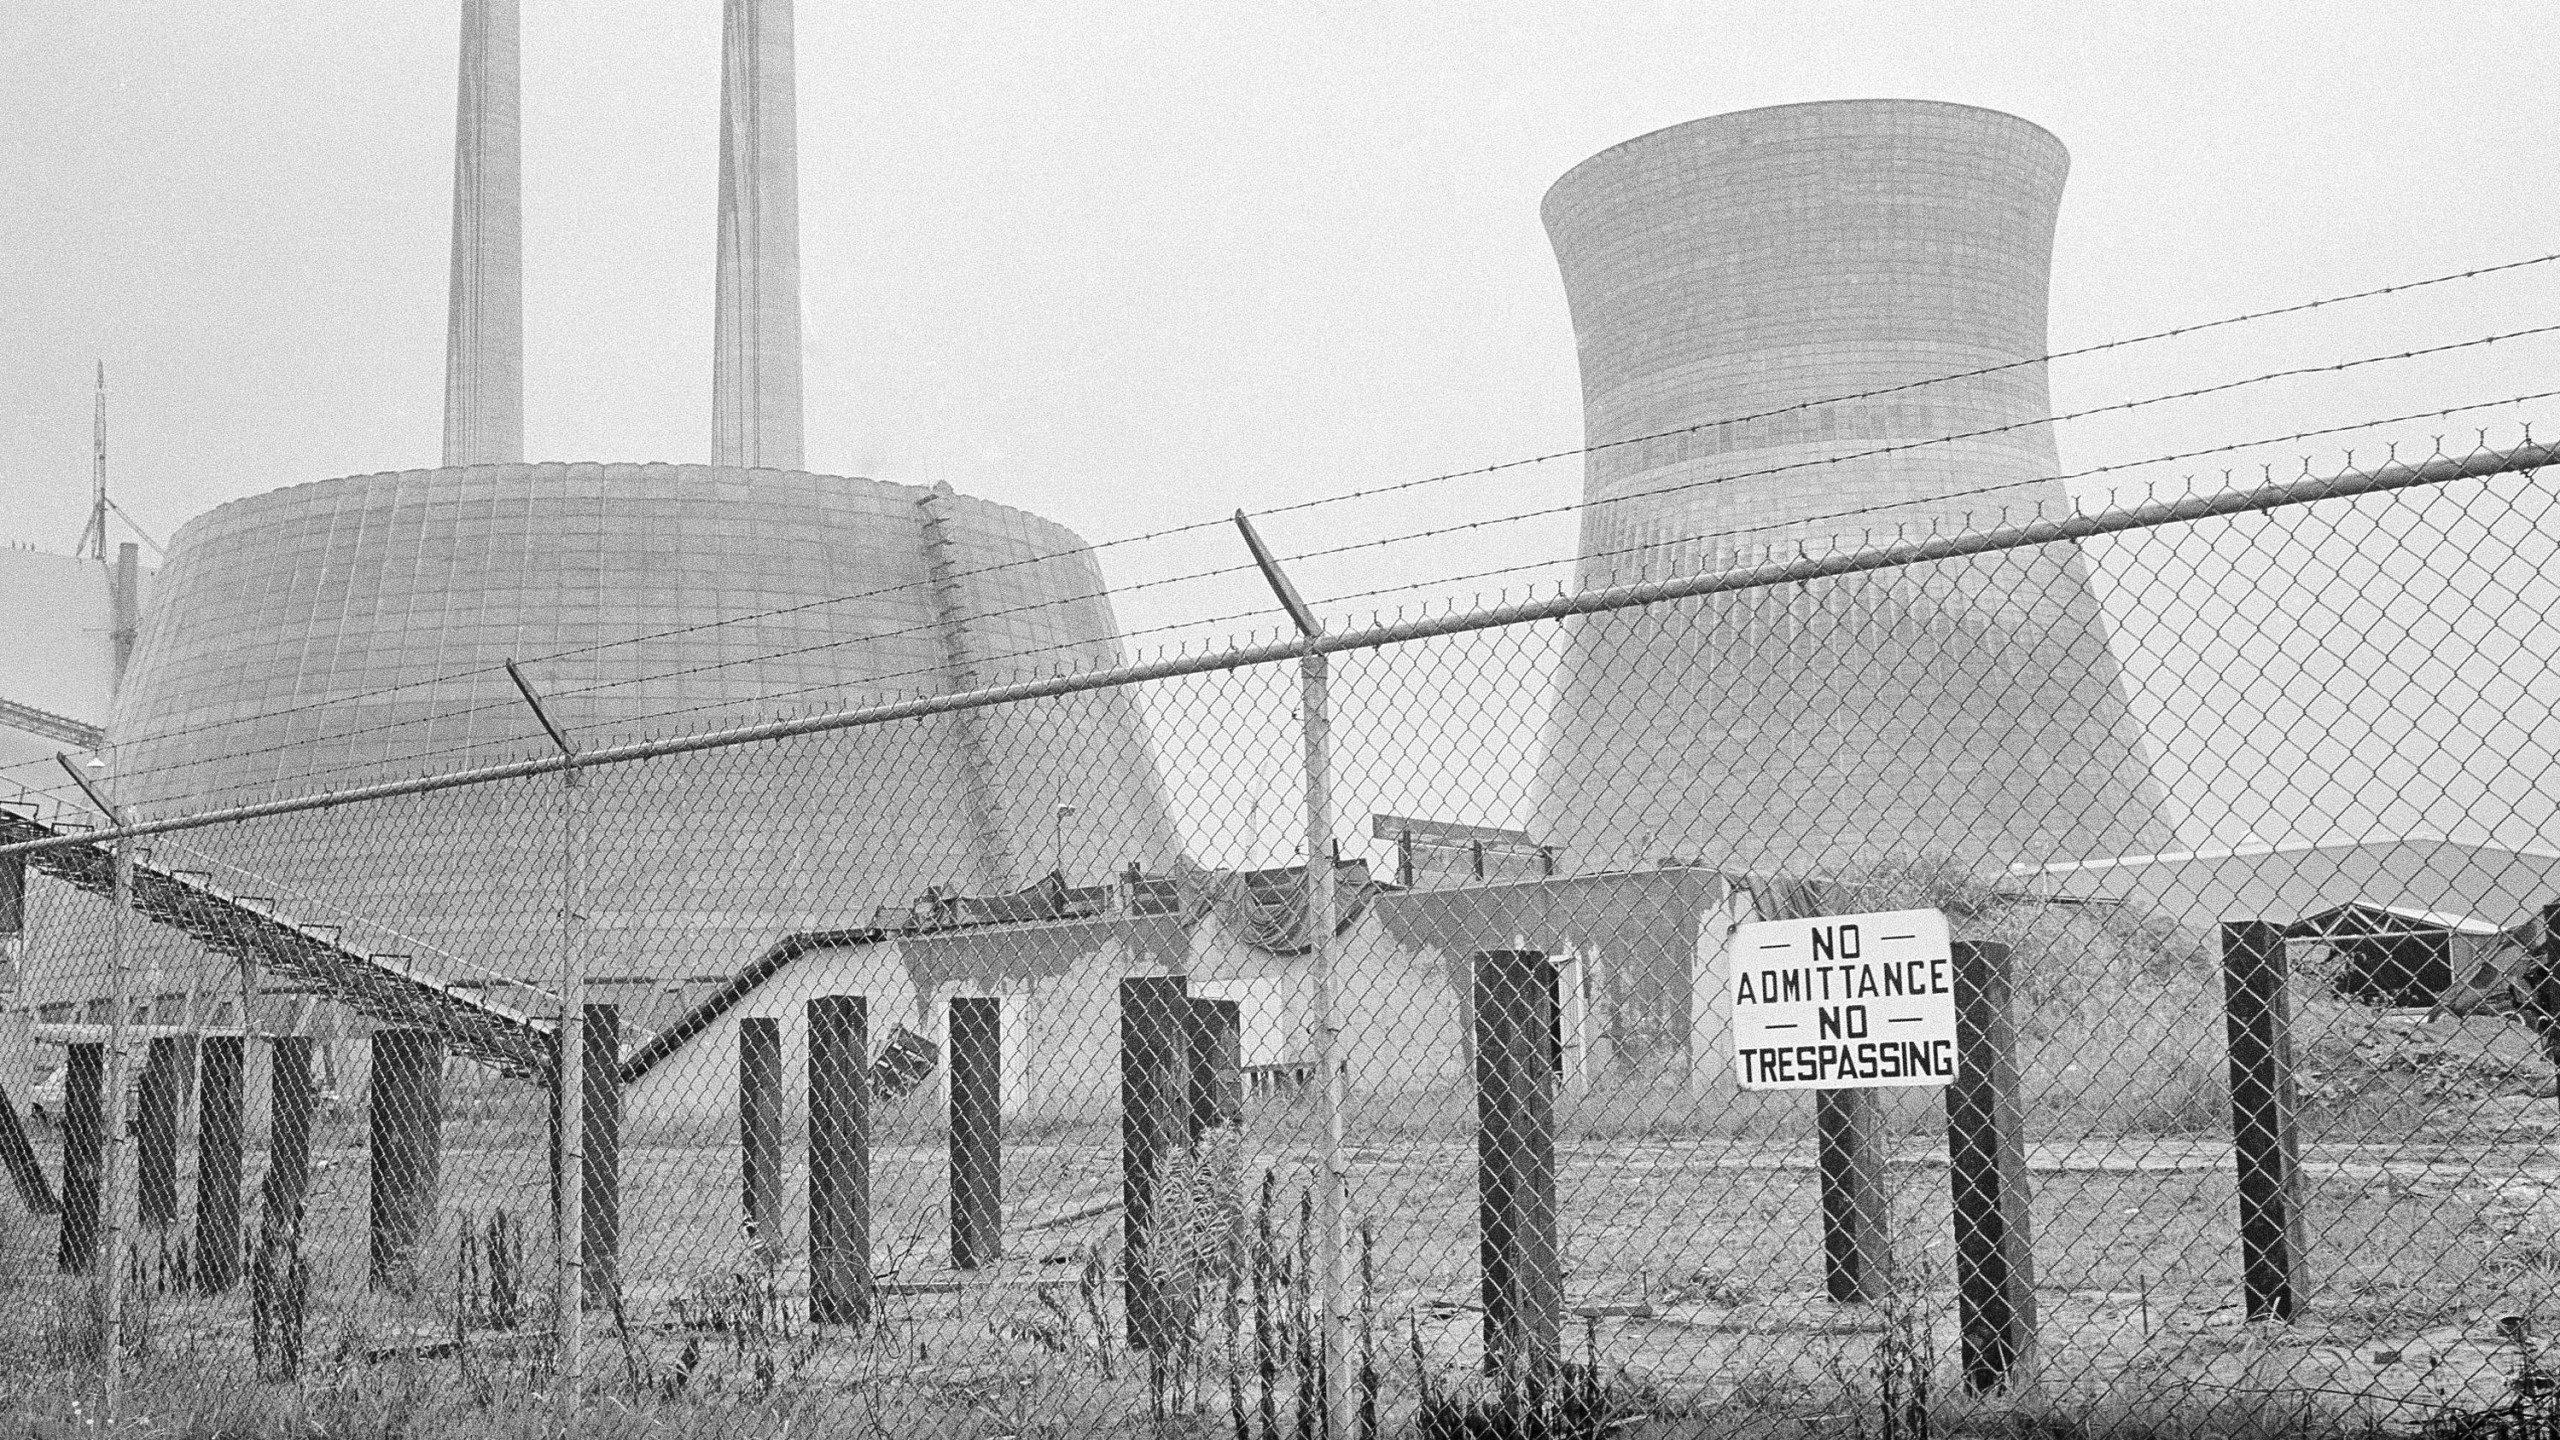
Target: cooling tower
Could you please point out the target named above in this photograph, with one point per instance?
(1735, 284)
(353, 630)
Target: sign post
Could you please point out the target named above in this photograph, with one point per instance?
(1844, 1006)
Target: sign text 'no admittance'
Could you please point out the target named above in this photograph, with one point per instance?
(1840, 1002)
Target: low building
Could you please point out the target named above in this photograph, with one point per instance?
(1638, 963)
(2394, 955)
(2499, 885)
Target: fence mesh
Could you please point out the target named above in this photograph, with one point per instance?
(1001, 1069)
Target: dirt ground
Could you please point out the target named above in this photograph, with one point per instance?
(1695, 1265)
(1692, 1264)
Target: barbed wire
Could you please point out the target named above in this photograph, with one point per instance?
(1265, 610)
(1189, 527)
(885, 684)
(1109, 592)
(1906, 447)
(1794, 407)
(2059, 477)
(505, 702)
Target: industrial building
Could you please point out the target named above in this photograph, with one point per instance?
(355, 629)
(2403, 921)
(1406, 1023)
(1766, 305)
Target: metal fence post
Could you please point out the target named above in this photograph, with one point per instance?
(568, 1076)
(1315, 719)
(1314, 708)
(111, 1188)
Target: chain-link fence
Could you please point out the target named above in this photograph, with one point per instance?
(995, 1063)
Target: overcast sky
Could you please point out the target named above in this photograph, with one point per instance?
(1132, 265)
(1124, 264)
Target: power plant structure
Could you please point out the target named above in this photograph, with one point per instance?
(73, 622)
(1766, 305)
(354, 630)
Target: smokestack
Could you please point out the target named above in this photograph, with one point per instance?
(484, 336)
(755, 363)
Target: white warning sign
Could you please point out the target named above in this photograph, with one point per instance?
(1844, 1002)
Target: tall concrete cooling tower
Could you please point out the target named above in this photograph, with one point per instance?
(353, 630)
(1776, 264)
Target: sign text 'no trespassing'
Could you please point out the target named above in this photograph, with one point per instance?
(1840, 1002)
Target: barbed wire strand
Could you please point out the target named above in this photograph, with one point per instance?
(2173, 332)
(279, 748)
(885, 684)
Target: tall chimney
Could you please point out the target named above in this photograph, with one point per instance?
(484, 336)
(755, 363)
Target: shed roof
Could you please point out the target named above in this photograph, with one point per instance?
(2501, 886)
(2396, 919)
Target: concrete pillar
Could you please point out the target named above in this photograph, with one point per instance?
(1987, 1172)
(760, 1127)
(1155, 1099)
(291, 1096)
(840, 1286)
(977, 1131)
(1857, 1247)
(600, 1122)
(1216, 1038)
(2258, 1019)
(218, 1163)
(155, 1130)
(1523, 1277)
(84, 1159)
(408, 1117)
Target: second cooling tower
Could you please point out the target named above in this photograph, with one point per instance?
(1766, 305)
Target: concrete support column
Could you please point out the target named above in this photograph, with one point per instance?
(84, 1159)
(760, 1125)
(977, 1132)
(1523, 1276)
(1987, 1172)
(1155, 1098)
(218, 1163)
(600, 1124)
(840, 1285)
(155, 1130)
(408, 1119)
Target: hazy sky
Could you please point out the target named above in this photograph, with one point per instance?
(1133, 265)
(1124, 264)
